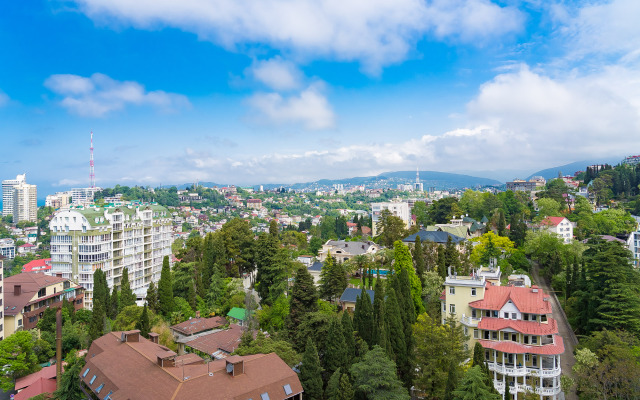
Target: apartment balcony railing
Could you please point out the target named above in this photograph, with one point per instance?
(511, 370)
(469, 321)
(544, 391)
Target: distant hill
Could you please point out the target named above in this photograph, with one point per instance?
(572, 168)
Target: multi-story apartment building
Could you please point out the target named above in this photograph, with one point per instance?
(560, 226)
(30, 294)
(83, 196)
(514, 326)
(25, 203)
(132, 236)
(7, 248)
(7, 193)
(535, 183)
(633, 243)
(58, 200)
(397, 208)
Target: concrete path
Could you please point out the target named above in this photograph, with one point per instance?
(567, 360)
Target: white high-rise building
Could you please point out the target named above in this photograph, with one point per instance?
(25, 202)
(7, 193)
(131, 236)
(83, 196)
(397, 208)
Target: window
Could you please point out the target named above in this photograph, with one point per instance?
(535, 361)
(107, 397)
(476, 334)
(514, 337)
(19, 322)
(514, 316)
(466, 331)
(494, 335)
(525, 317)
(506, 315)
(86, 371)
(92, 379)
(99, 388)
(473, 314)
(486, 354)
(534, 317)
(287, 389)
(264, 396)
(543, 318)
(486, 334)
(452, 290)
(452, 308)
(505, 336)
(527, 357)
(473, 291)
(526, 340)
(444, 308)
(534, 340)
(42, 292)
(495, 314)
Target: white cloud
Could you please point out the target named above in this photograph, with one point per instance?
(309, 108)
(4, 99)
(277, 74)
(374, 32)
(98, 94)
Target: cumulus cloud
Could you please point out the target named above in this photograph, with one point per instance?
(309, 108)
(277, 74)
(97, 95)
(374, 32)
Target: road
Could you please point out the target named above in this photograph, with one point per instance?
(570, 341)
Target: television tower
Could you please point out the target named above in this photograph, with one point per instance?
(92, 173)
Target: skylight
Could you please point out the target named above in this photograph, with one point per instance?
(287, 389)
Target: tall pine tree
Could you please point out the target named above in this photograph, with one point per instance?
(127, 298)
(311, 373)
(378, 313)
(165, 289)
(349, 339)
(334, 356)
(303, 300)
(143, 324)
(152, 297)
(395, 329)
(363, 317)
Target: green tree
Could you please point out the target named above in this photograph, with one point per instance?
(396, 333)
(363, 317)
(404, 262)
(378, 315)
(304, 299)
(333, 386)
(69, 388)
(390, 228)
(333, 279)
(349, 339)
(143, 324)
(273, 318)
(16, 358)
(311, 372)
(272, 265)
(375, 377)
(345, 391)
(165, 289)
(127, 298)
(547, 208)
(334, 356)
(152, 297)
(419, 261)
(114, 303)
(473, 387)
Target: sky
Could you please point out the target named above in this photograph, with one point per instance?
(284, 91)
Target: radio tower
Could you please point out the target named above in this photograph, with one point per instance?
(92, 173)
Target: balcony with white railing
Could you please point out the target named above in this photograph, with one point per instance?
(519, 388)
(469, 321)
(512, 370)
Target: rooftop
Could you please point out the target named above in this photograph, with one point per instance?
(352, 294)
(197, 325)
(433, 236)
(30, 283)
(527, 300)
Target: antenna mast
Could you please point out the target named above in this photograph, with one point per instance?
(92, 174)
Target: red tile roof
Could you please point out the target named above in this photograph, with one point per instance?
(27, 245)
(525, 299)
(197, 325)
(46, 373)
(526, 327)
(517, 348)
(41, 385)
(227, 340)
(552, 221)
(42, 264)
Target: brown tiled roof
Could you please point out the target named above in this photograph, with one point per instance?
(128, 370)
(526, 327)
(527, 300)
(30, 283)
(197, 325)
(45, 373)
(516, 348)
(227, 340)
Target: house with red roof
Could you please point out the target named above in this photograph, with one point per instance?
(42, 265)
(43, 381)
(26, 248)
(514, 325)
(560, 226)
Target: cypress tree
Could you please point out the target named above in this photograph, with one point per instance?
(396, 335)
(507, 392)
(378, 313)
(191, 296)
(442, 262)
(349, 340)
(303, 300)
(311, 373)
(407, 312)
(345, 391)
(144, 324)
(152, 297)
(333, 386)
(165, 289)
(418, 259)
(334, 354)
(363, 317)
(99, 288)
(114, 305)
(127, 298)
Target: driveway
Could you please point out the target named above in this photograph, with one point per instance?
(567, 360)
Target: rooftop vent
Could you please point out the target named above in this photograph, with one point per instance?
(235, 365)
(130, 336)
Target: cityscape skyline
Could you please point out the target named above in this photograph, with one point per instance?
(179, 92)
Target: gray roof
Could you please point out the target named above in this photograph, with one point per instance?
(433, 236)
(355, 248)
(352, 294)
(316, 266)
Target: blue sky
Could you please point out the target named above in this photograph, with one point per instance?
(247, 92)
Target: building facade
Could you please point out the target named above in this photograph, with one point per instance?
(398, 209)
(25, 202)
(560, 226)
(533, 184)
(8, 248)
(132, 236)
(30, 294)
(514, 326)
(7, 194)
(633, 243)
(83, 196)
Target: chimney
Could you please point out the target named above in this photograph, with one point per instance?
(235, 365)
(130, 336)
(17, 290)
(154, 337)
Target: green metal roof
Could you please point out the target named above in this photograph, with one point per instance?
(237, 313)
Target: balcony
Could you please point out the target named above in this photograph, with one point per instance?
(469, 321)
(544, 391)
(548, 371)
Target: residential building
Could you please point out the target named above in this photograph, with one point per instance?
(315, 269)
(237, 315)
(397, 208)
(124, 365)
(8, 248)
(344, 251)
(350, 297)
(254, 204)
(42, 265)
(514, 326)
(560, 226)
(216, 344)
(631, 160)
(633, 243)
(83, 196)
(32, 385)
(29, 294)
(7, 193)
(25, 202)
(196, 326)
(58, 200)
(533, 184)
(27, 248)
(132, 236)
(439, 237)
